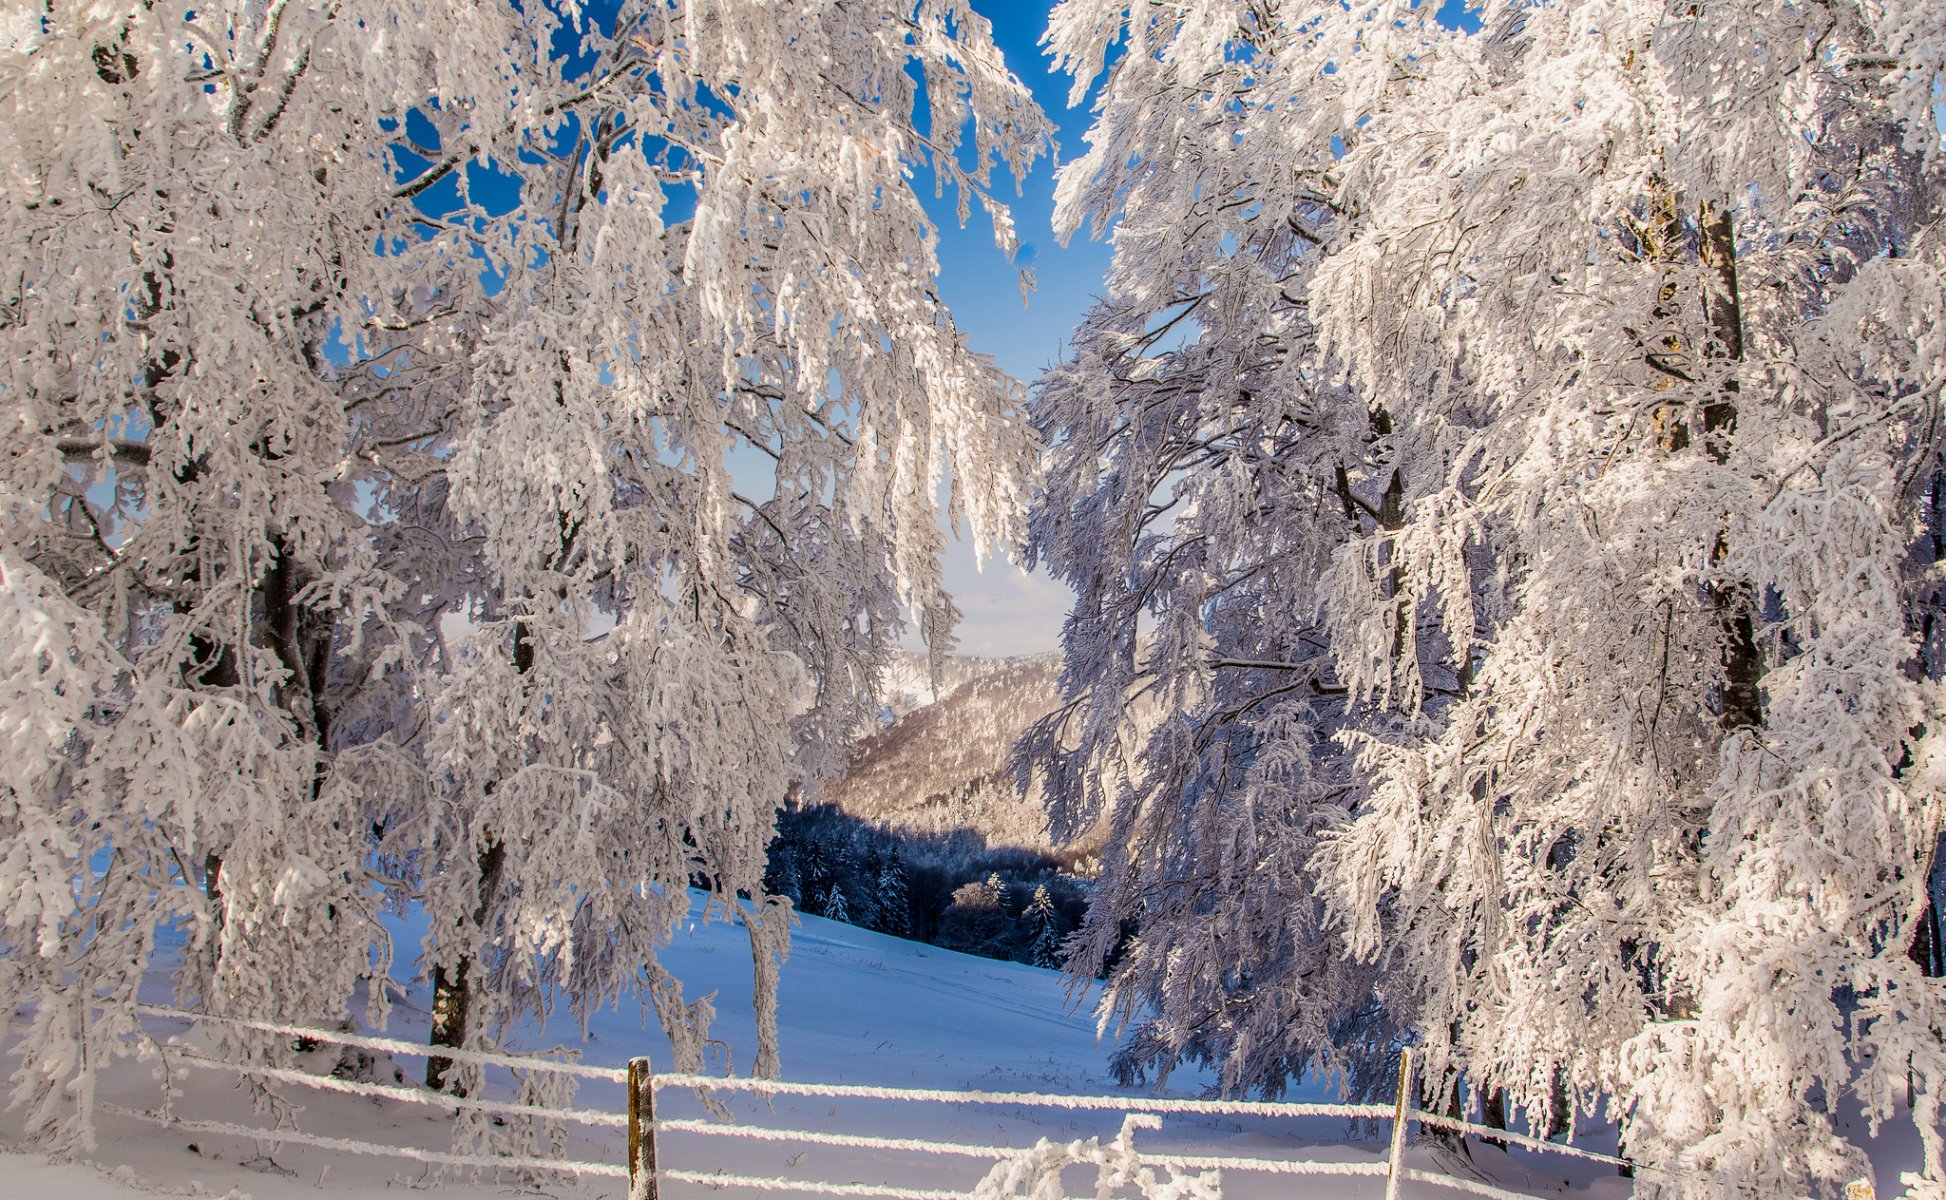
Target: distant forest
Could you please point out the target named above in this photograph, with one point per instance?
(952, 890)
(927, 835)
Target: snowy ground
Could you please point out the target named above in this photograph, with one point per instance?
(856, 1007)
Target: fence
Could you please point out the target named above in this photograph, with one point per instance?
(181, 1056)
(643, 1129)
(647, 1173)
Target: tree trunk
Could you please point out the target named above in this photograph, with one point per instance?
(1926, 949)
(1494, 1115)
(1559, 1107)
(1447, 1101)
(452, 998)
(302, 643)
(213, 886)
(215, 666)
(1735, 605)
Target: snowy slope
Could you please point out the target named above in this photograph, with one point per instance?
(945, 765)
(856, 1007)
(906, 682)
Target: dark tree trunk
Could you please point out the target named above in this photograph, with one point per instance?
(1494, 1115)
(452, 1001)
(220, 672)
(1444, 1099)
(301, 639)
(1743, 663)
(452, 998)
(213, 886)
(1558, 1108)
(1660, 237)
(211, 665)
(1926, 949)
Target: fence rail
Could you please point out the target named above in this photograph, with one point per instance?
(1146, 1104)
(644, 1173)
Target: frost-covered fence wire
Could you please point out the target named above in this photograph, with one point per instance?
(180, 1055)
(384, 1045)
(1000, 1182)
(1455, 1125)
(1146, 1104)
(1118, 1160)
(811, 1137)
(1149, 1107)
(441, 1158)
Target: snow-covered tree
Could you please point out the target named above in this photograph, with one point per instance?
(834, 904)
(1043, 929)
(1205, 482)
(1518, 441)
(891, 900)
(206, 614)
(324, 320)
(656, 620)
(660, 619)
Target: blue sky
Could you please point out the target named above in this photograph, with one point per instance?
(1006, 610)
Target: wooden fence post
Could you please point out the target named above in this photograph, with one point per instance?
(641, 1131)
(1395, 1164)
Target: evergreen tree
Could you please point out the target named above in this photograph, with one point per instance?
(835, 906)
(814, 874)
(890, 895)
(1044, 929)
(865, 893)
(781, 870)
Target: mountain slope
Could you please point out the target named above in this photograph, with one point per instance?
(907, 683)
(943, 767)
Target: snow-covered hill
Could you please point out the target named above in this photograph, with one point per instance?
(856, 1007)
(943, 766)
(907, 682)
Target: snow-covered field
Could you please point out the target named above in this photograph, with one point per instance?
(856, 1007)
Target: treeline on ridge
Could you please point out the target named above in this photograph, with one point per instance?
(950, 889)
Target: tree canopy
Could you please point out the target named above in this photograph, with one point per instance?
(371, 522)
(1510, 459)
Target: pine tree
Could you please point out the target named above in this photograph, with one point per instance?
(866, 878)
(1044, 925)
(780, 871)
(834, 904)
(815, 875)
(893, 904)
